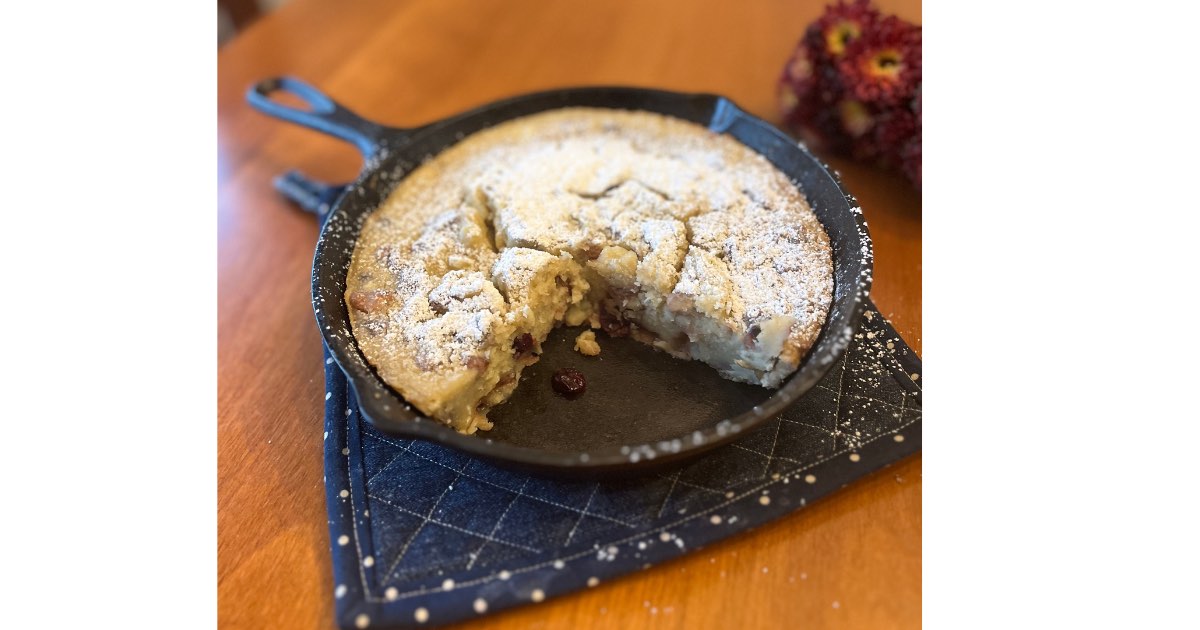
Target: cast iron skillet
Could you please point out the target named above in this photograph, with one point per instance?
(643, 409)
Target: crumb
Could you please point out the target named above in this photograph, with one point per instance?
(586, 345)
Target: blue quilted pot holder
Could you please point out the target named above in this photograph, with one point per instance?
(423, 535)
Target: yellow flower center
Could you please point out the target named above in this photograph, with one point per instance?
(841, 34)
(885, 64)
(800, 68)
(787, 98)
(856, 120)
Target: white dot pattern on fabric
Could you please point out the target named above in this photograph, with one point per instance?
(362, 621)
(346, 451)
(593, 581)
(665, 537)
(421, 615)
(392, 593)
(558, 564)
(448, 585)
(504, 575)
(343, 540)
(715, 519)
(810, 478)
(537, 595)
(369, 561)
(764, 500)
(854, 457)
(480, 605)
(344, 493)
(898, 438)
(339, 591)
(328, 395)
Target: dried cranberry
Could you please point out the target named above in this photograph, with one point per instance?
(569, 382)
(614, 325)
(523, 345)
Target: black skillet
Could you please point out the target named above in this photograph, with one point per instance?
(642, 408)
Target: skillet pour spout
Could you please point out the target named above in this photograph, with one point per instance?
(643, 410)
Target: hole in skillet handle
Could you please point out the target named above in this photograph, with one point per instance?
(292, 100)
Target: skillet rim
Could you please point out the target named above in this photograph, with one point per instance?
(385, 409)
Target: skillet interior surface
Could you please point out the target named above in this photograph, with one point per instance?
(642, 409)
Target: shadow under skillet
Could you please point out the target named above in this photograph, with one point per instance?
(635, 395)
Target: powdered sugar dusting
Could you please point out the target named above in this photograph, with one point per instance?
(714, 230)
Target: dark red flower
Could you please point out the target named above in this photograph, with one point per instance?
(799, 89)
(893, 129)
(882, 67)
(852, 87)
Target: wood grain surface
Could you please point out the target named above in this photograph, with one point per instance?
(850, 561)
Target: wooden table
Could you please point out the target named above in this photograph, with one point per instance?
(853, 560)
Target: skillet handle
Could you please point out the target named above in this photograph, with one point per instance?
(312, 196)
(325, 115)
